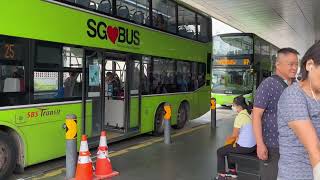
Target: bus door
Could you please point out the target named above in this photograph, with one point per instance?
(122, 93)
(113, 94)
(94, 94)
(135, 81)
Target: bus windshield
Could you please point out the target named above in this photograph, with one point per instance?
(232, 45)
(232, 81)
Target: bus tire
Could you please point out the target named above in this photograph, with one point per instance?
(183, 116)
(158, 121)
(8, 155)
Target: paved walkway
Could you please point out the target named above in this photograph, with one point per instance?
(191, 156)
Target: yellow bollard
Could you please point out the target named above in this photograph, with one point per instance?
(167, 124)
(213, 113)
(71, 145)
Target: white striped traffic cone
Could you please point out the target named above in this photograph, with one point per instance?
(84, 167)
(103, 163)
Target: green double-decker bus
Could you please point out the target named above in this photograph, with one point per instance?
(112, 63)
(241, 61)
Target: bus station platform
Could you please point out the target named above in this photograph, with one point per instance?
(190, 156)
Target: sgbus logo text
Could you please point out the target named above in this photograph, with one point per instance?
(112, 33)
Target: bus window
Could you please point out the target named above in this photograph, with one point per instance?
(57, 72)
(186, 23)
(201, 74)
(248, 78)
(194, 77)
(115, 78)
(146, 75)
(164, 15)
(72, 57)
(48, 54)
(12, 78)
(203, 23)
(45, 81)
(72, 79)
(135, 10)
(12, 71)
(72, 84)
(12, 85)
(232, 80)
(105, 6)
(45, 84)
(183, 76)
(233, 45)
(163, 76)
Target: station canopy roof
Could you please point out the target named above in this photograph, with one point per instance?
(285, 23)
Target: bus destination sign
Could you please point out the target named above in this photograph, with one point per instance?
(231, 62)
(10, 50)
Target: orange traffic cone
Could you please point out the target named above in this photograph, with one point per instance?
(84, 167)
(103, 164)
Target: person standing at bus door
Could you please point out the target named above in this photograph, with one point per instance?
(116, 85)
(265, 109)
(108, 84)
(299, 122)
(241, 141)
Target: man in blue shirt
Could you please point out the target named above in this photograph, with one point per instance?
(265, 108)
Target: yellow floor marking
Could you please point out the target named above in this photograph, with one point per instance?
(51, 174)
(126, 150)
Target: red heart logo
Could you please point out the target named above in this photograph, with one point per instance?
(113, 33)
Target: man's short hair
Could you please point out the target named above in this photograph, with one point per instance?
(287, 50)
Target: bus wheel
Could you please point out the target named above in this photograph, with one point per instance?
(182, 116)
(158, 122)
(8, 155)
